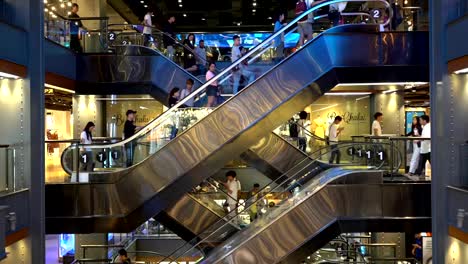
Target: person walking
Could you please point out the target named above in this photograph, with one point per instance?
(241, 69)
(301, 135)
(129, 130)
(252, 202)
(279, 41)
(147, 30)
(186, 92)
(334, 13)
(304, 27)
(169, 37)
(425, 145)
(213, 89)
(123, 256)
(86, 138)
(190, 63)
(333, 134)
(200, 51)
(233, 187)
(75, 25)
(376, 126)
(416, 131)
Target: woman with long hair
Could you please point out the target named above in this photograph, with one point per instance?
(212, 90)
(86, 138)
(190, 62)
(173, 98)
(416, 131)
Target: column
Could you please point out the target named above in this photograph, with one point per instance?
(34, 153)
(392, 105)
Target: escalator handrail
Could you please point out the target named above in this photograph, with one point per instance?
(158, 31)
(227, 70)
(285, 181)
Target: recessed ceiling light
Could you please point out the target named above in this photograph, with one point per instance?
(253, 10)
(180, 5)
(185, 15)
(142, 2)
(203, 19)
(270, 18)
(462, 71)
(180, 1)
(146, 6)
(238, 24)
(254, 4)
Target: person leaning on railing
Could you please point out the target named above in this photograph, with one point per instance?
(75, 26)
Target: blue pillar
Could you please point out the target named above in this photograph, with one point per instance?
(36, 76)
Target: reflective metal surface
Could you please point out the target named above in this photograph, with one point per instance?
(132, 70)
(326, 208)
(153, 185)
(272, 155)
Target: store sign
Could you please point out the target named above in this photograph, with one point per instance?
(348, 117)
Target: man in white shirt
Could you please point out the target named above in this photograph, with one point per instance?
(242, 68)
(425, 149)
(376, 127)
(333, 134)
(233, 187)
(147, 29)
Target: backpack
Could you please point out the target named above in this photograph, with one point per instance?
(293, 130)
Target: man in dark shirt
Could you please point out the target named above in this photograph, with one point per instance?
(129, 130)
(75, 25)
(169, 37)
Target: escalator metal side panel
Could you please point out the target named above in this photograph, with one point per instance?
(274, 156)
(272, 153)
(106, 74)
(333, 203)
(201, 150)
(194, 216)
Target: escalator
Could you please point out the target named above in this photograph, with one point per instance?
(121, 199)
(131, 70)
(321, 211)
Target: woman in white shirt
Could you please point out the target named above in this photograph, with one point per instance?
(86, 138)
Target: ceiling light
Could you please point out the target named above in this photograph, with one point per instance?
(185, 15)
(254, 4)
(146, 6)
(59, 88)
(53, 8)
(46, 10)
(238, 24)
(7, 75)
(270, 18)
(142, 2)
(461, 71)
(69, 4)
(253, 10)
(383, 83)
(180, 5)
(62, 5)
(180, 1)
(203, 19)
(348, 93)
(45, 1)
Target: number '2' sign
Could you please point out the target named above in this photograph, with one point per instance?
(376, 13)
(111, 36)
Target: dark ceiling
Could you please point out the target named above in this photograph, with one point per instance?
(213, 15)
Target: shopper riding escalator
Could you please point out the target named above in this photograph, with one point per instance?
(164, 171)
